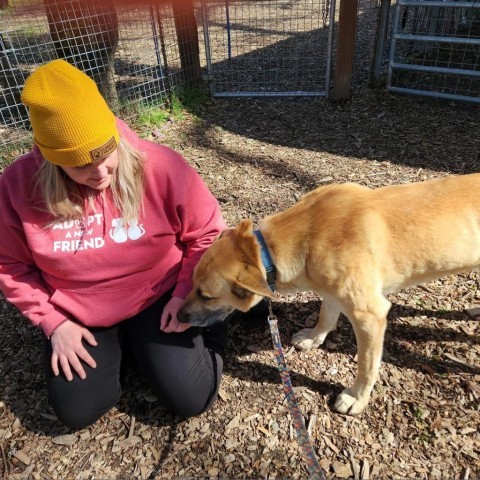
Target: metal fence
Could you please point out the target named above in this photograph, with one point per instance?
(132, 53)
(268, 48)
(435, 50)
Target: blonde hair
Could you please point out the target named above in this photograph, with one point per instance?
(64, 201)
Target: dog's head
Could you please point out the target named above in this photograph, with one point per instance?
(229, 276)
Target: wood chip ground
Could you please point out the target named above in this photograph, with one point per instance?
(258, 157)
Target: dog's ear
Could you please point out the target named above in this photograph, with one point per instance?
(251, 280)
(261, 289)
(245, 242)
(226, 233)
(244, 228)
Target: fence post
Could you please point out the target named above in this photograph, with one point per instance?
(347, 26)
(187, 35)
(382, 28)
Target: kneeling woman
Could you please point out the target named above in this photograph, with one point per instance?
(100, 232)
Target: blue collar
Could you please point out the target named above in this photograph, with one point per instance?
(266, 259)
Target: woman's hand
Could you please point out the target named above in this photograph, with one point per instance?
(168, 321)
(68, 350)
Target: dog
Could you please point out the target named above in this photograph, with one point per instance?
(352, 245)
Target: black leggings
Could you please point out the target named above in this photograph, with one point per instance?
(183, 369)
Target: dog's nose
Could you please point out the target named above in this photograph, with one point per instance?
(182, 316)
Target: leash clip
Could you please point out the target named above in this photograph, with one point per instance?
(270, 311)
(273, 322)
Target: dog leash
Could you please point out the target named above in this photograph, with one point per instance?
(313, 466)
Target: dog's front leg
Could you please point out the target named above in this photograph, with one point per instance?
(369, 331)
(309, 338)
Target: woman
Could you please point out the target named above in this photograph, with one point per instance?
(100, 234)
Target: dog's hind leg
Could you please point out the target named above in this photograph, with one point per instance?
(309, 338)
(369, 327)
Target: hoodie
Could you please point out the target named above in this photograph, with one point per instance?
(98, 271)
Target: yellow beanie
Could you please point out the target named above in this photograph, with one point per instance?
(72, 124)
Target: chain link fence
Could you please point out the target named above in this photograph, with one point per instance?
(132, 53)
(138, 53)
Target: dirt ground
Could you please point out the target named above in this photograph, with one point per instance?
(258, 157)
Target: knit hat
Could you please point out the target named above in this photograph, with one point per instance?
(72, 124)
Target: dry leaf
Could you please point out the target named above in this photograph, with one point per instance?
(16, 425)
(233, 423)
(129, 442)
(68, 440)
(223, 395)
(437, 423)
(251, 417)
(22, 456)
(342, 470)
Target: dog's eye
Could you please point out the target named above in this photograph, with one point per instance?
(204, 298)
(240, 292)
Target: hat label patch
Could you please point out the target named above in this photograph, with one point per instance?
(104, 151)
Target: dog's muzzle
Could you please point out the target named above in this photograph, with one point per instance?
(204, 319)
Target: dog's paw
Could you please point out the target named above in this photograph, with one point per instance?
(348, 404)
(306, 340)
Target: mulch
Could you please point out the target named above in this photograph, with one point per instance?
(259, 156)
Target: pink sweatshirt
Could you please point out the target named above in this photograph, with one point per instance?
(99, 272)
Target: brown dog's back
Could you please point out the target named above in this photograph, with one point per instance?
(414, 226)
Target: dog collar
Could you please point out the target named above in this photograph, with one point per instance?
(266, 259)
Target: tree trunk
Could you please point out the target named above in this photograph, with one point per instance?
(187, 35)
(85, 33)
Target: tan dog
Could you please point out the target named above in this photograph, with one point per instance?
(351, 245)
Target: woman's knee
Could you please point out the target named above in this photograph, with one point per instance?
(79, 403)
(188, 392)
(190, 406)
(78, 414)
(76, 419)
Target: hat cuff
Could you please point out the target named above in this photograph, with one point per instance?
(85, 154)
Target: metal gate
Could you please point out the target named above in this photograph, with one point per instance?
(268, 47)
(435, 49)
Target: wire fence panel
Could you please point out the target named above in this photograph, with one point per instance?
(131, 52)
(371, 41)
(268, 47)
(138, 54)
(435, 50)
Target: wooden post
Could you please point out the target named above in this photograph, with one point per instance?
(380, 38)
(187, 36)
(347, 27)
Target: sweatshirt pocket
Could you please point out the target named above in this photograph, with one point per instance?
(96, 307)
